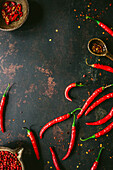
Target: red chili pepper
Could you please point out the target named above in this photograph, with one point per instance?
(13, 18)
(19, 8)
(100, 66)
(54, 159)
(33, 141)
(102, 99)
(102, 121)
(54, 121)
(7, 21)
(107, 29)
(100, 133)
(91, 98)
(68, 88)
(95, 164)
(72, 141)
(5, 4)
(2, 104)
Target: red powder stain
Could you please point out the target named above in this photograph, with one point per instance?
(57, 132)
(50, 90)
(18, 102)
(31, 89)
(20, 136)
(11, 71)
(42, 70)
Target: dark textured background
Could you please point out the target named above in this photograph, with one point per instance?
(41, 69)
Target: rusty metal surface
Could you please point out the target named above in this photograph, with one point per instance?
(41, 58)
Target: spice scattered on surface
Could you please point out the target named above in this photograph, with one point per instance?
(77, 166)
(50, 39)
(103, 32)
(56, 30)
(79, 26)
(95, 139)
(24, 121)
(107, 135)
(86, 152)
(51, 167)
(48, 162)
(100, 145)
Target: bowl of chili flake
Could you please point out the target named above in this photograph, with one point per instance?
(13, 14)
(11, 158)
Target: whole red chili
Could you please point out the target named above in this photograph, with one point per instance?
(55, 162)
(54, 121)
(69, 87)
(2, 104)
(72, 141)
(102, 99)
(91, 98)
(33, 141)
(95, 164)
(102, 121)
(100, 66)
(100, 133)
(107, 29)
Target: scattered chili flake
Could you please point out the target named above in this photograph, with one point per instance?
(75, 10)
(56, 30)
(48, 162)
(54, 137)
(81, 144)
(106, 38)
(103, 32)
(100, 145)
(95, 139)
(77, 166)
(51, 167)
(107, 135)
(88, 93)
(86, 152)
(78, 144)
(13, 120)
(106, 8)
(95, 9)
(88, 6)
(50, 39)
(100, 74)
(110, 4)
(84, 75)
(24, 121)
(76, 15)
(83, 100)
(110, 157)
(79, 26)
(80, 15)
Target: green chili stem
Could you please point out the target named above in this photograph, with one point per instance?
(93, 19)
(74, 121)
(80, 85)
(28, 131)
(93, 136)
(4, 95)
(75, 110)
(99, 154)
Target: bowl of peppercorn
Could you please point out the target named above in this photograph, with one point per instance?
(13, 14)
(11, 158)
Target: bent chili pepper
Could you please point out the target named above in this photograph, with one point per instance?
(33, 141)
(101, 66)
(2, 104)
(69, 87)
(106, 28)
(72, 141)
(90, 99)
(102, 121)
(55, 162)
(54, 121)
(102, 99)
(100, 133)
(95, 164)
